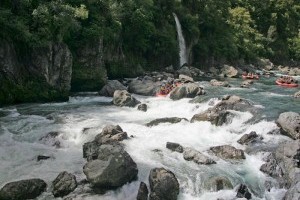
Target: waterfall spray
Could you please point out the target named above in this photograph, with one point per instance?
(181, 41)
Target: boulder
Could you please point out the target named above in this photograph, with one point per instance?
(143, 87)
(174, 147)
(293, 193)
(265, 64)
(216, 118)
(172, 120)
(24, 189)
(245, 139)
(185, 78)
(111, 86)
(189, 90)
(170, 69)
(229, 71)
(215, 82)
(163, 184)
(111, 133)
(123, 98)
(284, 163)
(243, 192)
(51, 139)
(143, 107)
(218, 183)
(294, 72)
(64, 184)
(143, 192)
(289, 122)
(297, 94)
(246, 83)
(111, 168)
(228, 152)
(41, 157)
(197, 157)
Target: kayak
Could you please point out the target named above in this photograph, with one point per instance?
(250, 77)
(286, 84)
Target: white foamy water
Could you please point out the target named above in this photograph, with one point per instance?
(23, 127)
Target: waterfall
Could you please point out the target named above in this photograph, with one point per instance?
(181, 41)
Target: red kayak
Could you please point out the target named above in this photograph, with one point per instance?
(286, 84)
(250, 77)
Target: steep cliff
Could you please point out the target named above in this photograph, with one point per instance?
(39, 74)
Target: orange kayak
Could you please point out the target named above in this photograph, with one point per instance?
(286, 84)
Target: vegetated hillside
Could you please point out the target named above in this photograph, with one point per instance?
(50, 47)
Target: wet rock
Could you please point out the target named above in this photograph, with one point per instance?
(297, 94)
(245, 139)
(243, 192)
(111, 86)
(229, 71)
(143, 192)
(143, 107)
(174, 147)
(199, 99)
(289, 122)
(64, 184)
(218, 183)
(274, 132)
(51, 139)
(265, 64)
(172, 120)
(123, 98)
(293, 193)
(228, 152)
(24, 189)
(111, 133)
(215, 82)
(271, 167)
(185, 78)
(216, 118)
(294, 72)
(41, 157)
(197, 157)
(189, 90)
(143, 87)
(246, 83)
(113, 167)
(284, 163)
(163, 184)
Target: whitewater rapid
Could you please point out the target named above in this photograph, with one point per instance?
(21, 128)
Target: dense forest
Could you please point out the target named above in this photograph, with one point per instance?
(137, 35)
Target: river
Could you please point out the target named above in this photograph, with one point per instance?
(22, 126)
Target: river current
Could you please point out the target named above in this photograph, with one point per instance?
(22, 126)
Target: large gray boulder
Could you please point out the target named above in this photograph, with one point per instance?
(293, 193)
(143, 87)
(123, 98)
(229, 71)
(283, 164)
(24, 189)
(111, 134)
(228, 152)
(246, 83)
(163, 184)
(197, 157)
(112, 167)
(216, 118)
(289, 122)
(172, 120)
(190, 71)
(111, 86)
(189, 90)
(64, 184)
